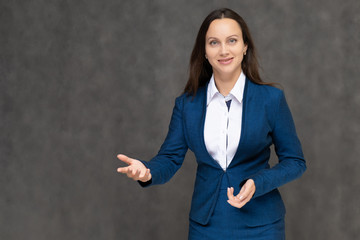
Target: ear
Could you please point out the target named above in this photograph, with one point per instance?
(245, 49)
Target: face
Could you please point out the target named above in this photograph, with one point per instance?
(224, 47)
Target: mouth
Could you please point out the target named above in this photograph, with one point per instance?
(225, 61)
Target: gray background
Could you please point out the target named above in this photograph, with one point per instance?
(82, 81)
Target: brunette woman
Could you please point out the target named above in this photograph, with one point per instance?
(229, 118)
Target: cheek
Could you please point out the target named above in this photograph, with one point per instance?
(209, 52)
(239, 50)
(212, 49)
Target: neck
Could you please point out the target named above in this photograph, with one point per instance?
(226, 82)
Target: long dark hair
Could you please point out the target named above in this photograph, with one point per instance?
(200, 69)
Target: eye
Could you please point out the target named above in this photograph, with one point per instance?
(213, 43)
(232, 40)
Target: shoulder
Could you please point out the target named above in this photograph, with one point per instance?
(267, 94)
(186, 98)
(266, 90)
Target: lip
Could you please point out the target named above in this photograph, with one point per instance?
(225, 61)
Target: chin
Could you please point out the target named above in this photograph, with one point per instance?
(227, 71)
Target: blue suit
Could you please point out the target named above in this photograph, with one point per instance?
(266, 120)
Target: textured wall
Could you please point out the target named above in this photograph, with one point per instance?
(81, 81)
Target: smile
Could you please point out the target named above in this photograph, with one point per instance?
(225, 61)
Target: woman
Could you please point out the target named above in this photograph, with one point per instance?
(229, 118)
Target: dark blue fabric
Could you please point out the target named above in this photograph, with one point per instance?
(227, 222)
(266, 120)
(228, 103)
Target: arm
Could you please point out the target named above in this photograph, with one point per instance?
(172, 152)
(291, 160)
(168, 160)
(288, 149)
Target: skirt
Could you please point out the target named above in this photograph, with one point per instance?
(226, 223)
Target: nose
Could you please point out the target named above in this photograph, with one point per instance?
(223, 50)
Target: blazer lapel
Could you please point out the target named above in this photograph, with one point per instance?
(244, 124)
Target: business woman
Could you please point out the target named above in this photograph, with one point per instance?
(229, 118)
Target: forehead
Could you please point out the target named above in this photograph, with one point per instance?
(223, 27)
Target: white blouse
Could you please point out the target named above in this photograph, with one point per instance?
(222, 124)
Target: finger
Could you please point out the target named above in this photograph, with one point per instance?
(144, 173)
(129, 172)
(242, 190)
(233, 203)
(132, 173)
(123, 169)
(246, 190)
(136, 175)
(230, 193)
(146, 177)
(124, 158)
(242, 193)
(236, 204)
(231, 196)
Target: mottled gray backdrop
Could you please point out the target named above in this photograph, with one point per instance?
(81, 81)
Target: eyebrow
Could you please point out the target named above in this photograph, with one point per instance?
(234, 35)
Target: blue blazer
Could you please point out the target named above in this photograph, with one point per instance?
(266, 120)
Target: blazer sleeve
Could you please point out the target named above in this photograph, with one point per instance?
(288, 149)
(172, 152)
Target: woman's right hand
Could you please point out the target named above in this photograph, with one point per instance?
(135, 170)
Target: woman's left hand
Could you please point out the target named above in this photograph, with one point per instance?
(244, 196)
